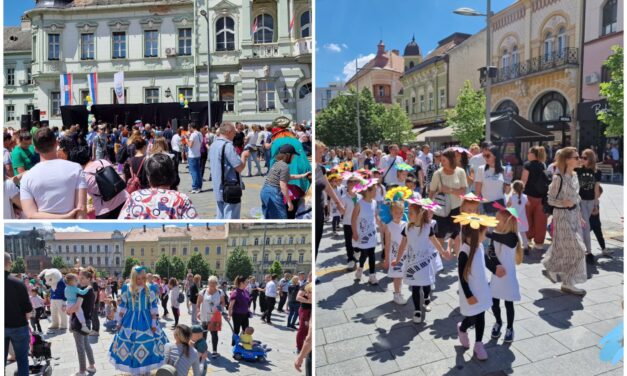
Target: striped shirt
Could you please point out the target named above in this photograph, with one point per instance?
(174, 356)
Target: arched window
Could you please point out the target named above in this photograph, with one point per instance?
(610, 16)
(305, 25)
(562, 42)
(225, 34)
(263, 29)
(550, 107)
(507, 106)
(515, 56)
(304, 90)
(411, 64)
(505, 59)
(548, 46)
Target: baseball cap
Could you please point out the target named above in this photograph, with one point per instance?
(288, 149)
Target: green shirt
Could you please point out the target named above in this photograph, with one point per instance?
(22, 158)
(33, 130)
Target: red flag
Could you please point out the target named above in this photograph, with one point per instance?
(255, 26)
(292, 24)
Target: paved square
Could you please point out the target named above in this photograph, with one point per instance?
(360, 331)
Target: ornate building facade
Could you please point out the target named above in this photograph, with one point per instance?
(19, 91)
(259, 65)
(30, 246)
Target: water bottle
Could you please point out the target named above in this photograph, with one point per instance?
(508, 173)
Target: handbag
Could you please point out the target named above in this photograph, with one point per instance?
(548, 209)
(443, 200)
(231, 191)
(134, 183)
(109, 182)
(215, 323)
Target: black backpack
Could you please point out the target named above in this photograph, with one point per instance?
(181, 297)
(109, 182)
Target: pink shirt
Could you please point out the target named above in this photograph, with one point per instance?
(101, 206)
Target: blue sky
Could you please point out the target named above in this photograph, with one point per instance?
(14, 9)
(345, 32)
(11, 228)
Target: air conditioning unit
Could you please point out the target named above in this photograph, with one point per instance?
(592, 79)
(170, 51)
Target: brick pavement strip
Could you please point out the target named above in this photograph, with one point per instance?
(281, 358)
(360, 331)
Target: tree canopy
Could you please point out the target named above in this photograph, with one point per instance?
(18, 266)
(468, 116)
(199, 265)
(276, 268)
(128, 264)
(238, 263)
(613, 90)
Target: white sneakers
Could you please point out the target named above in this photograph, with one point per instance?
(398, 299)
(570, 289)
(358, 273)
(372, 279)
(351, 264)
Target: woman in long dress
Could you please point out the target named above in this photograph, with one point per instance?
(566, 256)
(139, 343)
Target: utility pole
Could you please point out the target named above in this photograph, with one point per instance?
(357, 96)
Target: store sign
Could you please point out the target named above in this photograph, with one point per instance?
(43, 115)
(565, 118)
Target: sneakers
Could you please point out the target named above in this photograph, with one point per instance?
(398, 299)
(85, 330)
(358, 274)
(550, 275)
(351, 264)
(496, 331)
(372, 279)
(418, 317)
(194, 191)
(463, 336)
(570, 289)
(509, 335)
(590, 259)
(428, 307)
(91, 369)
(607, 253)
(480, 352)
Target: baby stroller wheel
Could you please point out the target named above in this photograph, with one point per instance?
(236, 356)
(261, 359)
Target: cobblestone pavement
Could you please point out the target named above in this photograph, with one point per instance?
(360, 331)
(281, 341)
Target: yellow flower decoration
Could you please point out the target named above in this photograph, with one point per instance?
(345, 166)
(475, 220)
(334, 176)
(398, 193)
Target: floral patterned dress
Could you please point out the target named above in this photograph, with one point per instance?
(156, 203)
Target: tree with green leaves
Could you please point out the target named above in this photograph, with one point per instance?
(178, 268)
(395, 126)
(58, 263)
(613, 90)
(128, 264)
(199, 265)
(18, 266)
(164, 267)
(468, 116)
(276, 269)
(238, 263)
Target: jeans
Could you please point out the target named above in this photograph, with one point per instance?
(228, 211)
(194, 170)
(83, 347)
(20, 338)
(194, 320)
(293, 315)
(253, 157)
(272, 203)
(586, 207)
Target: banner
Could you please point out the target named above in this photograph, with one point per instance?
(66, 89)
(118, 86)
(92, 82)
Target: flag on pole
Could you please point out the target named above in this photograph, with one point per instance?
(292, 24)
(66, 89)
(92, 82)
(255, 26)
(118, 86)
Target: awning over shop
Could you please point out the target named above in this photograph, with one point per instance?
(439, 134)
(508, 126)
(419, 130)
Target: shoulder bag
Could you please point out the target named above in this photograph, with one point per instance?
(109, 182)
(231, 191)
(443, 200)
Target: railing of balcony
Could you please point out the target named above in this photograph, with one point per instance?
(567, 56)
(383, 99)
(266, 50)
(302, 46)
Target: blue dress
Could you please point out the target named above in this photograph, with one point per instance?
(135, 348)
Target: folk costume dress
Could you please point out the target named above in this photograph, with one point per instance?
(418, 268)
(135, 348)
(506, 287)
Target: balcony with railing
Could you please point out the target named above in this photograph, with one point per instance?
(544, 63)
(302, 46)
(265, 50)
(386, 99)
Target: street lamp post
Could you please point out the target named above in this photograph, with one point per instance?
(204, 14)
(488, 79)
(357, 96)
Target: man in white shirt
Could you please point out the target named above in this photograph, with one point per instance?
(388, 166)
(193, 157)
(47, 194)
(177, 144)
(477, 160)
(271, 294)
(425, 157)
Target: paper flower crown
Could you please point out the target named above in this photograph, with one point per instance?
(345, 166)
(334, 176)
(347, 175)
(398, 194)
(472, 197)
(425, 203)
(365, 173)
(461, 150)
(475, 220)
(364, 184)
(512, 211)
(403, 167)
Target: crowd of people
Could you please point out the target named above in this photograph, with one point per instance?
(135, 310)
(133, 172)
(422, 206)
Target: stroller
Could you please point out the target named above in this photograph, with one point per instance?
(240, 353)
(40, 352)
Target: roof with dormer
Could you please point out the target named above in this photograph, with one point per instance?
(412, 48)
(16, 39)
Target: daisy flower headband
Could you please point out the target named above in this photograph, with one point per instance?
(403, 167)
(398, 194)
(475, 220)
(364, 184)
(425, 203)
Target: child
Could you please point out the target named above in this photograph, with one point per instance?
(334, 180)
(349, 199)
(393, 238)
(419, 270)
(72, 296)
(102, 297)
(508, 253)
(474, 293)
(412, 183)
(38, 305)
(401, 176)
(380, 188)
(247, 342)
(364, 223)
(518, 201)
(200, 344)
(470, 204)
(111, 309)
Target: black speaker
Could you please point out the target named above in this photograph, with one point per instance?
(36, 115)
(195, 117)
(26, 122)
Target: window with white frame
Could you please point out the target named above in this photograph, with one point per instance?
(185, 42)
(562, 42)
(119, 45)
(227, 95)
(430, 101)
(54, 46)
(10, 77)
(88, 44)
(505, 60)
(29, 75)
(152, 95)
(305, 24)
(610, 17)
(263, 29)
(301, 258)
(55, 103)
(218, 250)
(225, 34)
(442, 99)
(10, 112)
(151, 43)
(265, 95)
(187, 92)
(548, 46)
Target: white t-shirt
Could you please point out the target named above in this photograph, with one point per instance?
(176, 143)
(390, 176)
(194, 140)
(271, 289)
(475, 162)
(492, 184)
(10, 191)
(426, 159)
(50, 189)
(349, 205)
(6, 156)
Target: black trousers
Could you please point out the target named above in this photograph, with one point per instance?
(164, 303)
(253, 301)
(348, 241)
(240, 323)
(176, 314)
(335, 223)
(282, 300)
(267, 315)
(595, 226)
(203, 164)
(478, 321)
(262, 303)
(509, 311)
(318, 226)
(415, 295)
(34, 320)
(114, 293)
(177, 158)
(367, 254)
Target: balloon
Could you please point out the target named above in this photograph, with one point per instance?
(88, 98)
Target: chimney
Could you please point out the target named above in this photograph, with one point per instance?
(25, 24)
(163, 227)
(380, 48)
(144, 228)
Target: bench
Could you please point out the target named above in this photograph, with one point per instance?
(607, 170)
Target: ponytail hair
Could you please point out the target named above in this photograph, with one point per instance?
(518, 188)
(183, 334)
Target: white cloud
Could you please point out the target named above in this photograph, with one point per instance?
(337, 79)
(15, 228)
(344, 46)
(349, 67)
(333, 47)
(71, 229)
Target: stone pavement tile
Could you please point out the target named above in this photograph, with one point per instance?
(346, 331)
(443, 328)
(320, 340)
(397, 336)
(357, 366)
(321, 356)
(576, 338)
(416, 371)
(417, 353)
(327, 319)
(594, 283)
(341, 300)
(573, 318)
(348, 349)
(542, 325)
(382, 363)
(502, 357)
(615, 372)
(460, 365)
(370, 299)
(383, 316)
(556, 304)
(602, 328)
(578, 363)
(599, 296)
(606, 311)
(539, 348)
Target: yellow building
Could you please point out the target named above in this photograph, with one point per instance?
(148, 244)
(290, 244)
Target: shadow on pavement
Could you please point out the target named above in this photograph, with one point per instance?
(565, 305)
(396, 341)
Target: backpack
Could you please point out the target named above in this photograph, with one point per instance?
(181, 298)
(109, 182)
(122, 154)
(134, 183)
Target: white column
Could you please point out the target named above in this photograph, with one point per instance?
(245, 28)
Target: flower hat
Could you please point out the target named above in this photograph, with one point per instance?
(461, 150)
(345, 166)
(425, 203)
(475, 220)
(472, 197)
(403, 167)
(511, 211)
(398, 194)
(334, 176)
(365, 184)
(348, 175)
(365, 173)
